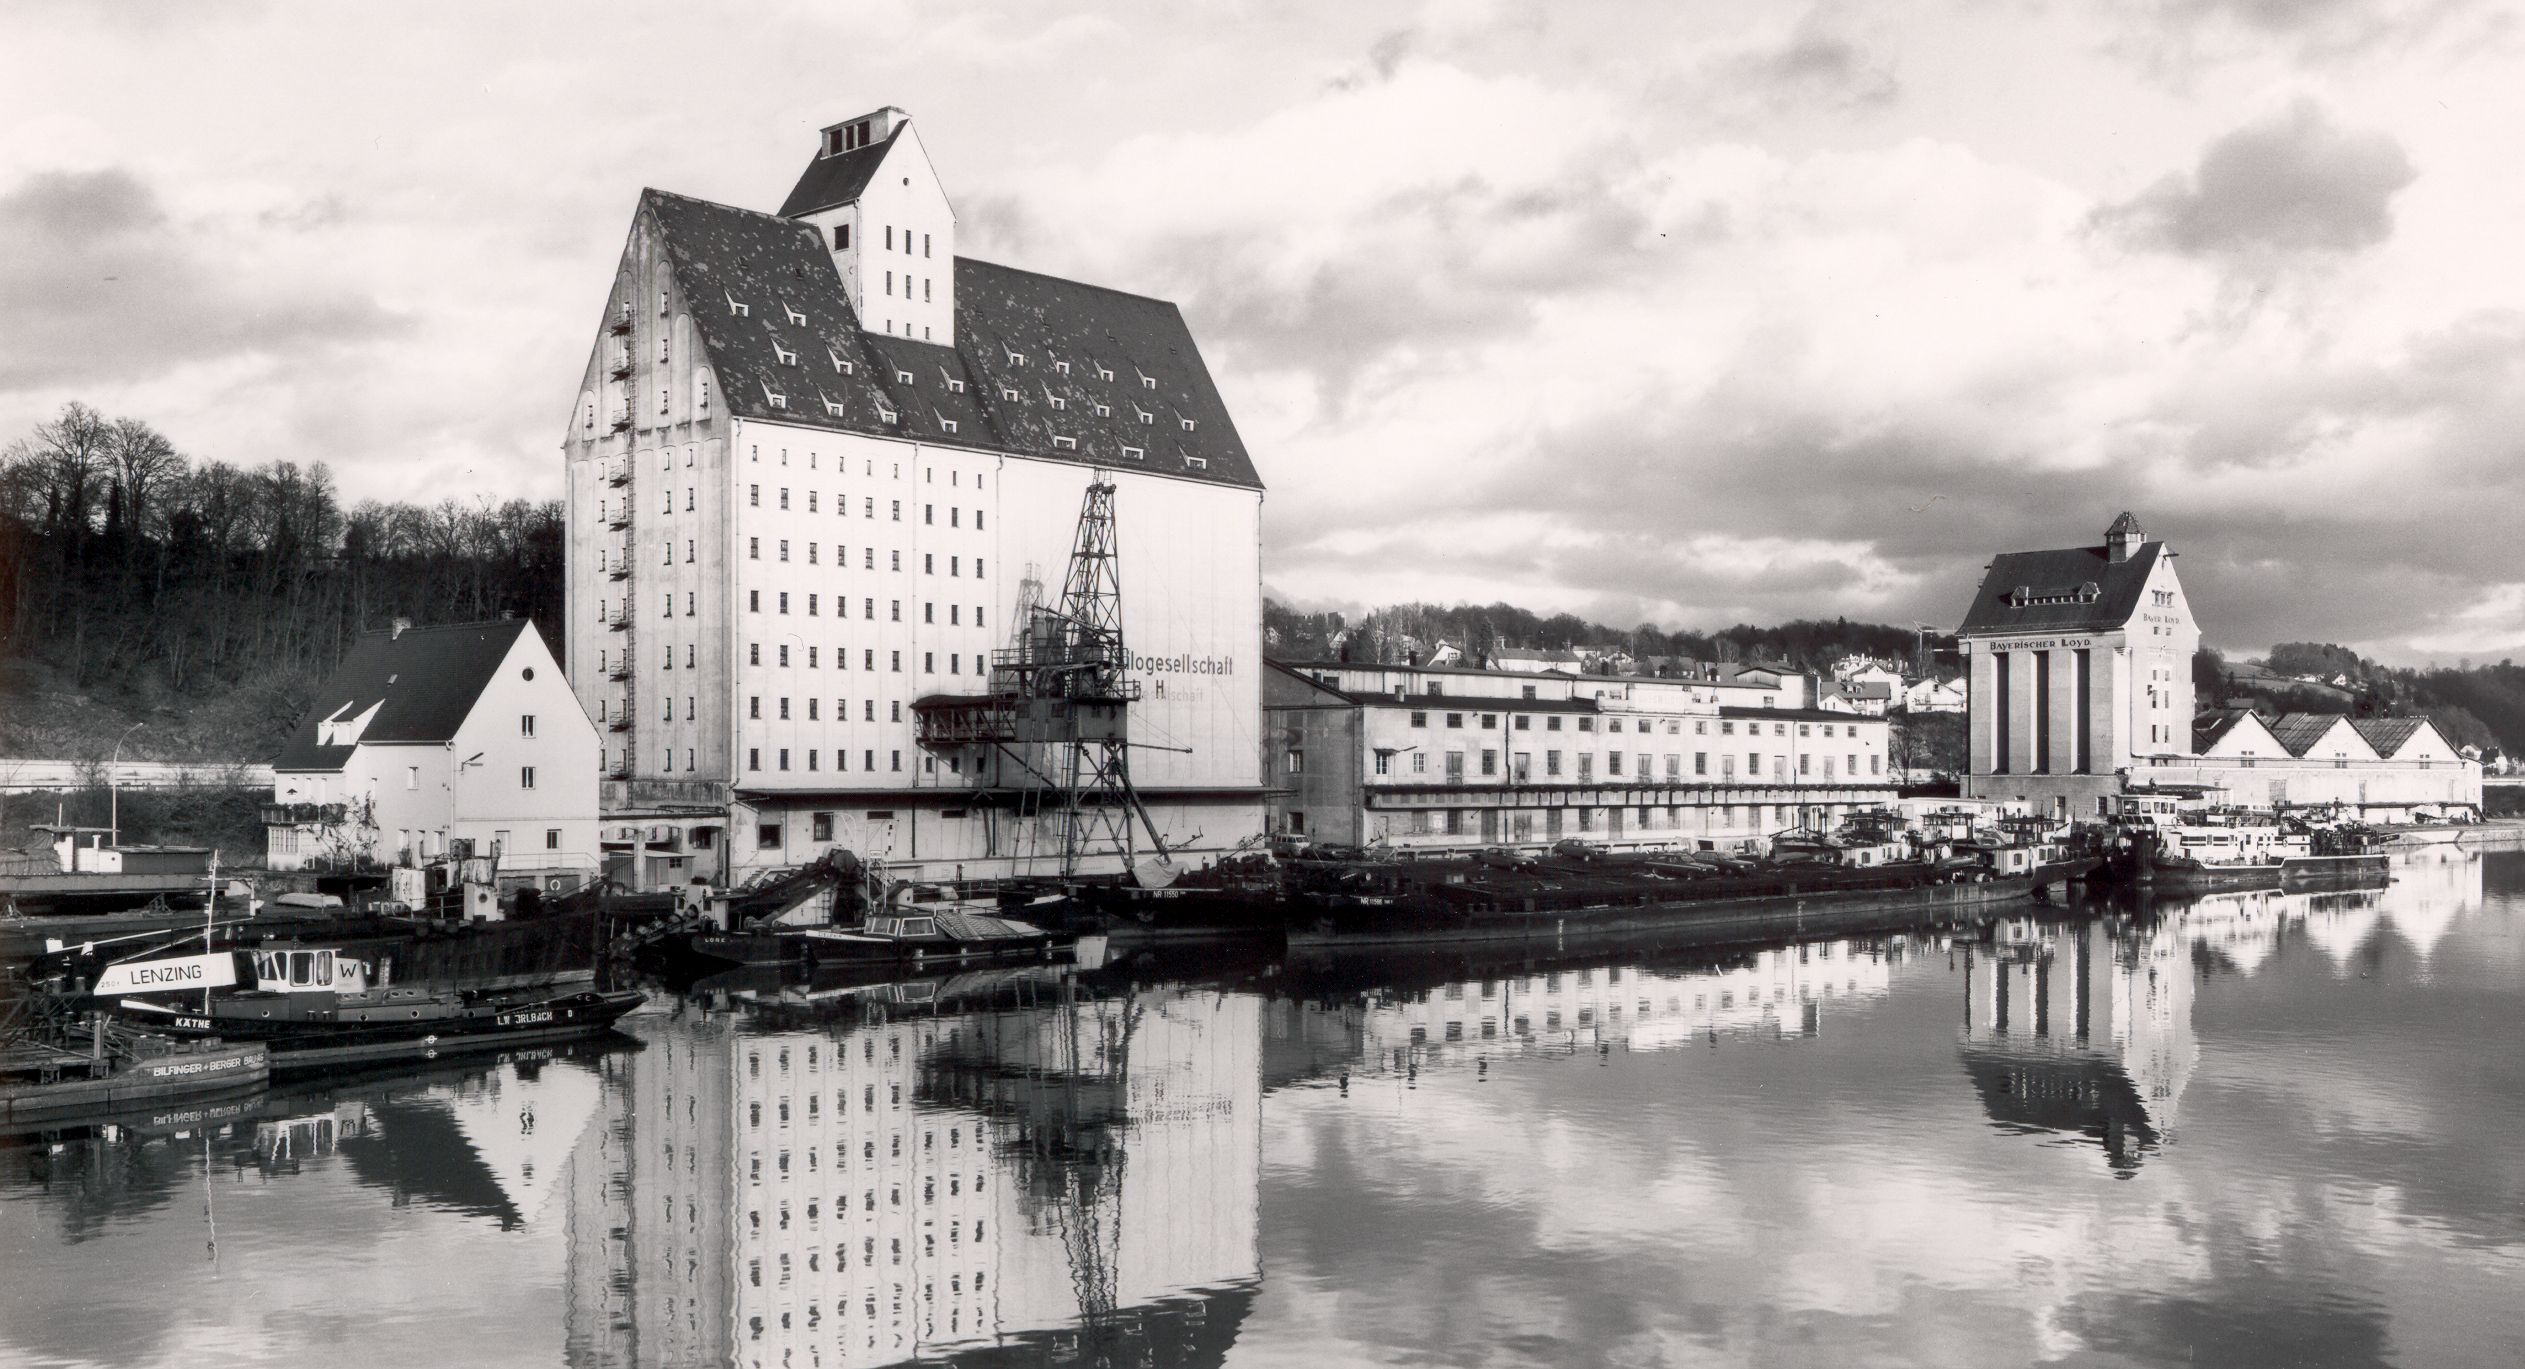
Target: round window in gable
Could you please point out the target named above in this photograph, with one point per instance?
(530, 672)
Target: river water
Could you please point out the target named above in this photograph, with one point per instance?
(2255, 1130)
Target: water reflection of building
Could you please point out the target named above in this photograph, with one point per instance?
(2080, 1028)
(860, 1195)
(1783, 992)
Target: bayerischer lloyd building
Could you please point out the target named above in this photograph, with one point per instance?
(2079, 666)
(2081, 692)
(820, 467)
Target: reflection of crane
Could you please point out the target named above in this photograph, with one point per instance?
(1089, 1209)
(1058, 709)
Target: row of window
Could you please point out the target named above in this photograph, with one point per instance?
(841, 234)
(841, 609)
(841, 557)
(841, 660)
(525, 773)
(841, 760)
(1643, 767)
(1673, 726)
(841, 708)
(841, 506)
(1458, 822)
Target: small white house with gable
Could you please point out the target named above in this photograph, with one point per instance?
(433, 741)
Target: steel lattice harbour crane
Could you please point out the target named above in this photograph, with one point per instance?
(1058, 712)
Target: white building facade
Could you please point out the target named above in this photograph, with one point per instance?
(884, 1191)
(429, 741)
(2079, 663)
(1434, 759)
(819, 468)
(2080, 681)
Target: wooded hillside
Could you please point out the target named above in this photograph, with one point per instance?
(203, 599)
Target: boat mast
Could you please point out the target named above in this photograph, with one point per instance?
(210, 914)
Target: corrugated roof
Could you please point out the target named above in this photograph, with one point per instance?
(2300, 731)
(2210, 727)
(2074, 589)
(1134, 381)
(2388, 735)
(837, 179)
(422, 683)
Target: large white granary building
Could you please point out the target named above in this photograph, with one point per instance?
(2080, 663)
(818, 465)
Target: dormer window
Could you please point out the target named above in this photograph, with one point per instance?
(1196, 463)
(1103, 372)
(740, 310)
(1189, 425)
(787, 357)
(775, 398)
(839, 364)
(1133, 453)
(832, 407)
(1062, 366)
(1145, 415)
(1015, 357)
(902, 377)
(954, 386)
(848, 137)
(945, 424)
(1104, 411)
(1009, 393)
(888, 415)
(2026, 596)
(1067, 444)
(794, 316)
(1147, 381)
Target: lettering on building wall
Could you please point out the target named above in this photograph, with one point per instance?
(2041, 643)
(1180, 665)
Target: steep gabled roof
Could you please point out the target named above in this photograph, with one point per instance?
(421, 682)
(837, 179)
(2389, 735)
(2300, 732)
(2074, 589)
(2214, 726)
(774, 320)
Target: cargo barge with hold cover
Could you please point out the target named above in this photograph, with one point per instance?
(1440, 903)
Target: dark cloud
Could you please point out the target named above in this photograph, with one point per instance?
(100, 284)
(1819, 66)
(1421, 272)
(1921, 499)
(2293, 184)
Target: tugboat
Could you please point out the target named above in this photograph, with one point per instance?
(314, 1006)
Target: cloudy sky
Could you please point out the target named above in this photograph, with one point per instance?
(1683, 314)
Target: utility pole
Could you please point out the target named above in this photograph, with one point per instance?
(114, 788)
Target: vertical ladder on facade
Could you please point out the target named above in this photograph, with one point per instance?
(622, 499)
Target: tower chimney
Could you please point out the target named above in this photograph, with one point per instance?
(2123, 540)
